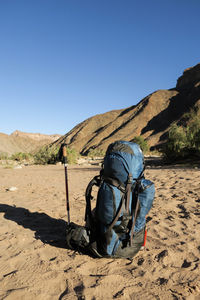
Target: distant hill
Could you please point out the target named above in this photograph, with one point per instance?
(24, 142)
(151, 117)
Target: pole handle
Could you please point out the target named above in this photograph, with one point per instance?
(64, 151)
(64, 154)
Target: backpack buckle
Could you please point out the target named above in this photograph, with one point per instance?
(121, 188)
(130, 178)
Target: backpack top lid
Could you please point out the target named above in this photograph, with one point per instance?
(123, 158)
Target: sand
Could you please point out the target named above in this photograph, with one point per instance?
(34, 263)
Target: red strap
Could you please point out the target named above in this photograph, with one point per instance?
(145, 238)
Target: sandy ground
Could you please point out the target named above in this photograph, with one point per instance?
(34, 263)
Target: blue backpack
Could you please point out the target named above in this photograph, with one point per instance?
(117, 225)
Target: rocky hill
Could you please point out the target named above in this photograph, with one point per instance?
(24, 142)
(151, 117)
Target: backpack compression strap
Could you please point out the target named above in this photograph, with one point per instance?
(135, 214)
(125, 198)
(136, 191)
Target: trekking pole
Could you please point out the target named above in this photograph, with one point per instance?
(66, 183)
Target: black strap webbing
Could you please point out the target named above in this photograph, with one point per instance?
(117, 213)
(115, 182)
(88, 211)
(135, 214)
(126, 198)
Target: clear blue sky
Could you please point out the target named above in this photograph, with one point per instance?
(62, 61)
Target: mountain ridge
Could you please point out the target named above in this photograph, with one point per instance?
(35, 136)
(151, 117)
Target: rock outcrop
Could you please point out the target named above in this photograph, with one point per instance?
(190, 78)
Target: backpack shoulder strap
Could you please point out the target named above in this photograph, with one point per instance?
(88, 211)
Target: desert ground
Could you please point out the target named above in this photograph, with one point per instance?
(34, 261)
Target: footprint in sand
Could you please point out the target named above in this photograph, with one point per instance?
(174, 196)
(171, 218)
(148, 219)
(79, 291)
(162, 281)
(161, 255)
(186, 264)
(183, 213)
(140, 261)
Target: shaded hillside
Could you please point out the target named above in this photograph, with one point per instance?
(151, 117)
(24, 142)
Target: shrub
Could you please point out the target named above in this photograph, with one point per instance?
(177, 142)
(51, 155)
(142, 143)
(3, 156)
(46, 155)
(20, 156)
(184, 141)
(72, 155)
(96, 153)
(193, 132)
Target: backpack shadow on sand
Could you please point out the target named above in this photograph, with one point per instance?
(47, 229)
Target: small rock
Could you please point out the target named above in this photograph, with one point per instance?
(12, 189)
(18, 167)
(161, 255)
